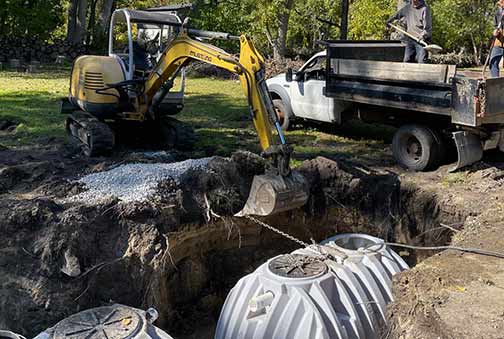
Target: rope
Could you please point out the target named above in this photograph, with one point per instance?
(448, 247)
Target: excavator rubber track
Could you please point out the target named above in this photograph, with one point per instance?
(95, 137)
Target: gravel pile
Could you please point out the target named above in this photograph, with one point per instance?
(133, 182)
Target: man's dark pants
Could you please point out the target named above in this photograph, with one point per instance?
(414, 52)
(495, 57)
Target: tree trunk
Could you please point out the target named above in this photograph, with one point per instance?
(475, 51)
(91, 29)
(280, 43)
(72, 20)
(344, 20)
(105, 14)
(80, 27)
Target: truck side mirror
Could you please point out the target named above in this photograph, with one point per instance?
(299, 76)
(288, 75)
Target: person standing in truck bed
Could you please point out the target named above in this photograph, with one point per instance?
(497, 48)
(418, 19)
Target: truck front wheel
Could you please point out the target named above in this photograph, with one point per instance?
(417, 147)
(282, 114)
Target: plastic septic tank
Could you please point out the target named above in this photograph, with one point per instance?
(10, 335)
(111, 322)
(338, 289)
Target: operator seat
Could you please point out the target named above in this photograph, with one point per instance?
(141, 58)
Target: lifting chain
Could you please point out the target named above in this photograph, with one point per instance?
(324, 252)
(276, 230)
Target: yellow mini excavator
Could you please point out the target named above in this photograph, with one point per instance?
(122, 87)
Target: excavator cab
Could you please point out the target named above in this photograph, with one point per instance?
(138, 39)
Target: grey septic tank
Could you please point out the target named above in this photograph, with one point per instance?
(339, 294)
(111, 322)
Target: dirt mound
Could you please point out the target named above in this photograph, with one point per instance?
(61, 257)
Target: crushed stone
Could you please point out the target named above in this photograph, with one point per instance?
(132, 182)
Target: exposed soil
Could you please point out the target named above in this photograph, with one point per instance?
(181, 251)
(454, 294)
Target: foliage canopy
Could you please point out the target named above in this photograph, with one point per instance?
(458, 24)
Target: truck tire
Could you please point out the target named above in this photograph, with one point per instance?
(282, 115)
(417, 147)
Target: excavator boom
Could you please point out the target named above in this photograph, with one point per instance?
(279, 189)
(249, 68)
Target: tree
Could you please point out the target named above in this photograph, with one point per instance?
(272, 20)
(30, 17)
(77, 12)
(312, 21)
(344, 19)
(463, 24)
(368, 18)
(105, 14)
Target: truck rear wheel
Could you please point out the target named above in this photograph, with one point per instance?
(417, 147)
(281, 113)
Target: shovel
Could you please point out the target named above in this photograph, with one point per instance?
(429, 48)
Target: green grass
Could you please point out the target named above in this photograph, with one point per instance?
(217, 109)
(452, 179)
(32, 101)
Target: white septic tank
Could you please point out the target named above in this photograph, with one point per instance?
(107, 322)
(338, 289)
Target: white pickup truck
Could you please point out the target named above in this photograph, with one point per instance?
(304, 97)
(433, 106)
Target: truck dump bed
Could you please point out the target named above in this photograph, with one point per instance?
(429, 88)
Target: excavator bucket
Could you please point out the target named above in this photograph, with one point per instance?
(272, 194)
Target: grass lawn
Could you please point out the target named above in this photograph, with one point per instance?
(216, 108)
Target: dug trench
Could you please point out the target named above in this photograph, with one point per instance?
(181, 250)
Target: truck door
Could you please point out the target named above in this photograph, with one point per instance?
(307, 93)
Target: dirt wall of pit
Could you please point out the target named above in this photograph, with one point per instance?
(182, 250)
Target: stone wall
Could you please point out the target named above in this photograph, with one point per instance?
(29, 49)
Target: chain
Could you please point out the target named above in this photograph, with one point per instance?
(323, 252)
(276, 230)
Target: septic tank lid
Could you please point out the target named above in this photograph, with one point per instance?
(112, 322)
(297, 266)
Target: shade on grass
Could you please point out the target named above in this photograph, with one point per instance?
(217, 109)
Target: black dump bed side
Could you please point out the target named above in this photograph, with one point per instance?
(372, 72)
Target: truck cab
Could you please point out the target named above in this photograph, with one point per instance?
(301, 94)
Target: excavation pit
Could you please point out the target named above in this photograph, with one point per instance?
(181, 250)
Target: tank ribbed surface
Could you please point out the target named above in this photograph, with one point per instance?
(340, 294)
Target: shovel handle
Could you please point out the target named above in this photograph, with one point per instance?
(420, 41)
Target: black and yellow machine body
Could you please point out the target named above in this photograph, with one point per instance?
(88, 89)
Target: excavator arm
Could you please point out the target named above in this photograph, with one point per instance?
(279, 189)
(249, 67)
